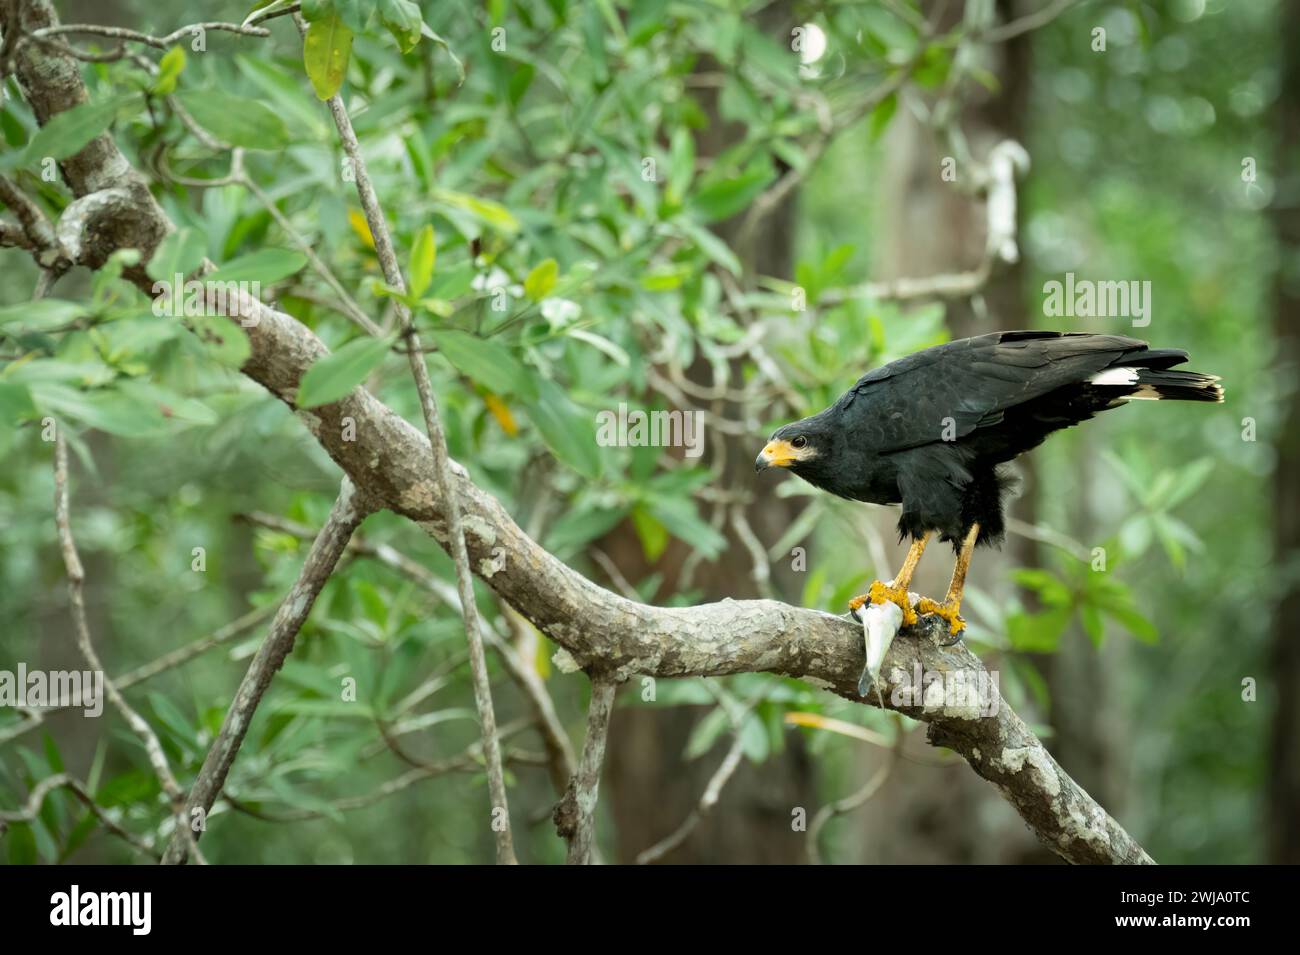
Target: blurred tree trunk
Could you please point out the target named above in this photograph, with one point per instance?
(924, 814)
(1284, 785)
(651, 787)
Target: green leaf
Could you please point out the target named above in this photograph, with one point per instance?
(325, 53)
(682, 172)
(105, 409)
(423, 254)
(22, 844)
(706, 732)
(236, 120)
(1038, 632)
(172, 718)
(169, 403)
(222, 341)
(43, 313)
(169, 71)
(79, 834)
(132, 786)
(180, 252)
(723, 199)
(67, 133)
(1133, 621)
(541, 279)
(654, 536)
(333, 376)
(486, 362)
(574, 529)
(15, 403)
(679, 693)
(1051, 590)
(1093, 623)
(425, 30)
(567, 431)
(403, 20)
(313, 10)
(492, 213)
(713, 247)
(683, 521)
(754, 739)
(1189, 481)
(355, 14)
(282, 91)
(265, 266)
(520, 80)
(453, 282)
(882, 114)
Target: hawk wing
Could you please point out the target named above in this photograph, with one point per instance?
(949, 391)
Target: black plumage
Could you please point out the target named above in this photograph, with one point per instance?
(932, 430)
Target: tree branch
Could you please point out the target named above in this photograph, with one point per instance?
(63, 781)
(146, 671)
(736, 714)
(348, 512)
(575, 816)
(441, 471)
(76, 580)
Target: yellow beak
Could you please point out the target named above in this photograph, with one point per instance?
(777, 454)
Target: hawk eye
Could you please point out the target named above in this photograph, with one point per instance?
(799, 442)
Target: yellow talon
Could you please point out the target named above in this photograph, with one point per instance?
(947, 610)
(880, 593)
(895, 591)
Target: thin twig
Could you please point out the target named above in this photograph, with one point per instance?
(157, 42)
(554, 738)
(1006, 161)
(1032, 21)
(762, 572)
(63, 781)
(347, 514)
(444, 480)
(76, 580)
(147, 671)
(575, 815)
(736, 715)
(348, 304)
(774, 195)
(559, 750)
(854, 800)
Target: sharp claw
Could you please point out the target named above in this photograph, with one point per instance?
(881, 592)
(946, 611)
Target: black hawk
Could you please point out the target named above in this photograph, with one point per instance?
(930, 432)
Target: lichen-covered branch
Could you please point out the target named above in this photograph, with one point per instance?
(575, 816)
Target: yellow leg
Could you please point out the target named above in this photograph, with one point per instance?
(896, 589)
(950, 608)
